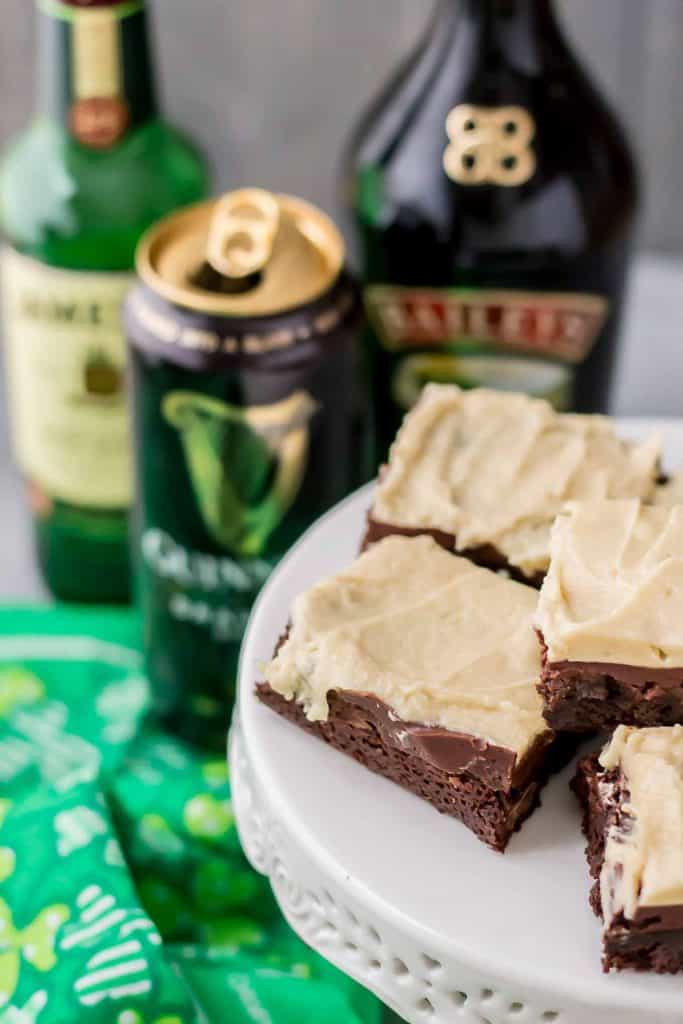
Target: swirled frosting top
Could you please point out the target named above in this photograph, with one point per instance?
(494, 467)
(614, 592)
(439, 640)
(643, 864)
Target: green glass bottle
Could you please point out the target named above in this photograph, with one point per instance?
(94, 169)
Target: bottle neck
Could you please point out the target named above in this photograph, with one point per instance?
(95, 74)
(508, 12)
(517, 29)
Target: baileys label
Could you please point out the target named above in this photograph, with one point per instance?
(499, 338)
(562, 325)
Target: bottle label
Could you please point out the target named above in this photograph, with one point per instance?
(66, 359)
(102, 52)
(490, 145)
(527, 341)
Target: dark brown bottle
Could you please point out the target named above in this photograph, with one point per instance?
(495, 197)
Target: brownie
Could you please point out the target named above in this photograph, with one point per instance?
(424, 668)
(609, 617)
(485, 473)
(484, 799)
(596, 696)
(485, 555)
(633, 823)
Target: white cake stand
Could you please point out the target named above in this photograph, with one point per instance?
(403, 899)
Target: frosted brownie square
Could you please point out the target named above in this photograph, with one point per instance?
(423, 667)
(486, 472)
(632, 796)
(610, 617)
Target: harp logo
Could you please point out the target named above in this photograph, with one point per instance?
(246, 465)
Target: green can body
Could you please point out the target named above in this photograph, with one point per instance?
(246, 430)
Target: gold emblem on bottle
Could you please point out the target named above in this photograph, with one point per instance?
(490, 145)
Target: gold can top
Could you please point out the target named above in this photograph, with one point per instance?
(249, 253)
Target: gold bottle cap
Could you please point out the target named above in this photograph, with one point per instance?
(267, 254)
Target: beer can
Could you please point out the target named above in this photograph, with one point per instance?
(250, 421)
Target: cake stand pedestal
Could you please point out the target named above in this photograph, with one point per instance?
(403, 899)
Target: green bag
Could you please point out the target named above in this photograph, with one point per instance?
(284, 982)
(74, 943)
(174, 812)
(124, 895)
(72, 696)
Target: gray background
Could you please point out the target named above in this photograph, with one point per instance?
(270, 89)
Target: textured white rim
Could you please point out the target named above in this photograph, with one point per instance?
(506, 972)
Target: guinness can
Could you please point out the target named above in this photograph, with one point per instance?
(250, 411)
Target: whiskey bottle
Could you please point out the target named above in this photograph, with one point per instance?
(97, 165)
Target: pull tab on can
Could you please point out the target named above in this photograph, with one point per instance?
(250, 253)
(242, 233)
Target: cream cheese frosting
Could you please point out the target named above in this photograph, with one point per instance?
(671, 492)
(496, 467)
(643, 864)
(614, 592)
(439, 640)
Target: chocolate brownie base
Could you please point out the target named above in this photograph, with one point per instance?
(585, 785)
(587, 696)
(653, 941)
(362, 728)
(485, 555)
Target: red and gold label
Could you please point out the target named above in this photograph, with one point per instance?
(561, 325)
(500, 338)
